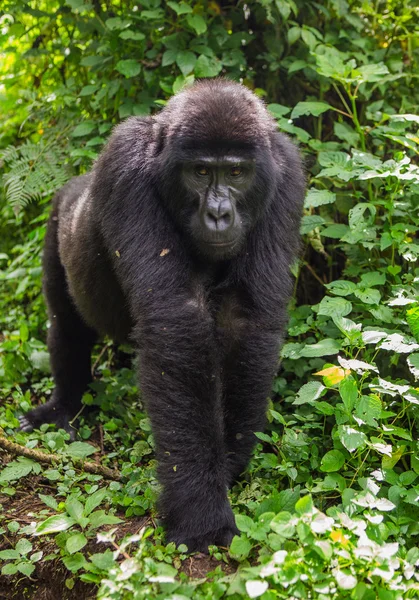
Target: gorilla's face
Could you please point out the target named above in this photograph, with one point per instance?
(218, 213)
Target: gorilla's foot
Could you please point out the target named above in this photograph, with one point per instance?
(50, 412)
(219, 537)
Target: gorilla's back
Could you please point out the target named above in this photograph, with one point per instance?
(91, 280)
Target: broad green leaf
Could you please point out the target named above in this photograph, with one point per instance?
(94, 500)
(54, 524)
(372, 278)
(348, 391)
(186, 61)
(75, 562)
(207, 67)
(310, 222)
(399, 343)
(76, 542)
(244, 523)
(332, 461)
(319, 197)
(198, 24)
(368, 295)
(9, 554)
(23, 546)
(74, 508)
(26, 568)
(169, 57)
(180, 8)
(278, 110)
(334, 307)
(80, 449)
(368, 408)
(413, 363)
(304, 505)
(283, 524)
(105, 561)
(412, 318)
(98, 518)
(128, 68)
(240, 548)
(309, 392)
(325, 347)
(336, 231)
(351, 438)
(17, 469)
(128, 34)
(83, 129)
(309, 108)
(341, 287)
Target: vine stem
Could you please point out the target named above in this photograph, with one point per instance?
(51, 459)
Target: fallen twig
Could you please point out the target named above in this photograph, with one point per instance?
(43, 457)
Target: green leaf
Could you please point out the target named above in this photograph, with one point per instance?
(240, 548)
(50, 501)
(325, 347)
(169, 57)
(198, 24)
(413, 363)
(9, 554)
(40, 360)
(76, 542)
(83, 129)
(412, 318)
(368, 408)
(278, 110)
(351, 438)
(244, 523)
(180, 8)
(309, 392)
(310, 222)
(54, 524)
(17, 469)
(336, 231)
(99, 518)
(23, 546)
(319, 197)
(332, 461)
(304, 505)
(283, 524)
(348, 391)
(26, 568)
(128, 68)
(341, 287)
(186, 61)
(334, 307)
(309, 108)
(75, 562)
(368, 296)
(80, 449)
(94, 500)
(105, 560)
(132, 35)
(74, 508)
(207, 67)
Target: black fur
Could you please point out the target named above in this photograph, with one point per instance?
(125, 257)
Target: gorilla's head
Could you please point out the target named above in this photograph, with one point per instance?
(216, 169)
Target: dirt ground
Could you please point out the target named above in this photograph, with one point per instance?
(47, 582)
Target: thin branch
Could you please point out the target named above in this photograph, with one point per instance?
(51, 459)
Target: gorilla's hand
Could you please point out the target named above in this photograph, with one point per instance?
(50, 412)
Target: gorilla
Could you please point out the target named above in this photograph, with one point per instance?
(180, 241)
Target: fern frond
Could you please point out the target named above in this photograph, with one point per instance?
(33, 172)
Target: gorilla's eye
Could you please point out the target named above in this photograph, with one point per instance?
(235, 171)
(202, 171)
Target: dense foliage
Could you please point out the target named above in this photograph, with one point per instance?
(329, 508)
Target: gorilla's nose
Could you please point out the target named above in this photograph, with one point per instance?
(218, 217)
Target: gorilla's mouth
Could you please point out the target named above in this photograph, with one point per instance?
(221, 244)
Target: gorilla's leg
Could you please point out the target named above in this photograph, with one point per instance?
(179, 377)
(70, 342)
(248, 371)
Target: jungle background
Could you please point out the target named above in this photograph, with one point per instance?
(329, 507)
